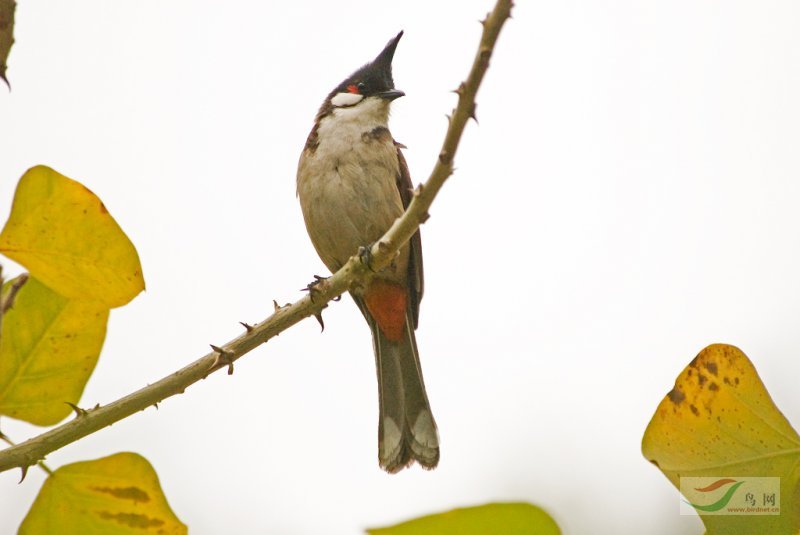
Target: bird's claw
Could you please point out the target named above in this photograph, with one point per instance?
(365, 254)
(312, 286)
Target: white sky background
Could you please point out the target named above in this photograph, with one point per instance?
(630, 196)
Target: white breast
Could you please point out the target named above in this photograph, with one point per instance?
(347, 185)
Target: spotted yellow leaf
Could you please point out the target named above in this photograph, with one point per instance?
(50, 345)
(63, 234)
(720, 422)
(115, 495)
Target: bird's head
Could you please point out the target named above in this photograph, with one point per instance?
(369, 90)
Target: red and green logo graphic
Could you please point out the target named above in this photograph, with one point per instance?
(730, 495)
(730, 484)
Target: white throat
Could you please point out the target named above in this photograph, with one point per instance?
(366, 115)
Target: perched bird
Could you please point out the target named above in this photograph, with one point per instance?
(353, 182)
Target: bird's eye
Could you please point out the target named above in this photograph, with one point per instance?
(361, 87)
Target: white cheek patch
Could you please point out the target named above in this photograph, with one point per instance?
(346, 99)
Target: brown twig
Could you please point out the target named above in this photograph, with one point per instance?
(8, 296)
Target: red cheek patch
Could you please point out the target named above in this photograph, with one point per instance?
(352, 89)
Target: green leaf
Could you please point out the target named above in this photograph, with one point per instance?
(720, 422)
(50, 345)
(64, 235)
(115, 495)
(490, 519)
(7, 8)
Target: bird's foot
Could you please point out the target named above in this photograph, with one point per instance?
(313, 286)
(365, 254)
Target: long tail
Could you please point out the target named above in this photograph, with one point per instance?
(406, 428)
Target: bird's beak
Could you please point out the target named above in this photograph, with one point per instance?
(391, 94)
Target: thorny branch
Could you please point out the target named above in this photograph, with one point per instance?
(355, 271)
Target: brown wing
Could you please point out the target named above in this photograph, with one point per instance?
(416, 281)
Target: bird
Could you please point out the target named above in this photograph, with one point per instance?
(353, 183)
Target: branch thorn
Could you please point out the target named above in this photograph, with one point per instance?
(24, 473)
(249, 328)
(472, 112)
(223, 355)
(318, 315)
(78, 411)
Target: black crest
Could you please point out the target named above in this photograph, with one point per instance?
(375, 76)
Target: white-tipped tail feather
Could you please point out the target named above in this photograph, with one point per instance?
(406, 431)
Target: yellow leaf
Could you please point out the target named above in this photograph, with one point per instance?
(490, 519)
(719, 421)
(64, 235)
(115, 495)
(50, 345)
